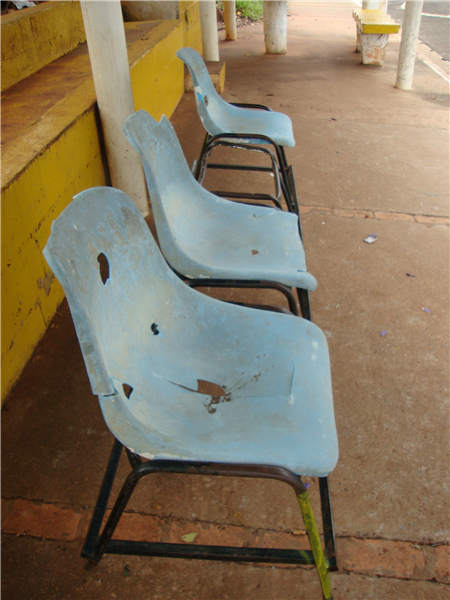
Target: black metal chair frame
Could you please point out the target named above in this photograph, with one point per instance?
(302, 294)
(236, 283)
(199, 172)
(285, 170)
(97, 544)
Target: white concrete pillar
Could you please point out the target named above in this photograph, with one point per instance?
(408, 45)
(210, 36)
(275, 26)
(107, 47)
(230, 19)
(370, 5)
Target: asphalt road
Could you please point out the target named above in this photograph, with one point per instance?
(434, 30)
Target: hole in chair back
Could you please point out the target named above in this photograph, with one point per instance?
(103, 267)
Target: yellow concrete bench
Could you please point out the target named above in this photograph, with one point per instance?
(372, 34)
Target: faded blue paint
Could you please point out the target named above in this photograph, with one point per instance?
(147, 329)
(202, 235)
(219, 117)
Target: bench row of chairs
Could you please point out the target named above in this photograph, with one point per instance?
(187, 383)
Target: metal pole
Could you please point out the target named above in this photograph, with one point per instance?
(275, 26)
(107, 46)
(230, 19)
(208, 17)
(408, 44)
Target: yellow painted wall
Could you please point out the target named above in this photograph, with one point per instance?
(36, 36)
(57, 167)
(30, 294)
(157, 76)
(189, 11)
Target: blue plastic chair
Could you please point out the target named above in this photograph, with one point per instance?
(188, 383)
(210, 240)
(240, 125)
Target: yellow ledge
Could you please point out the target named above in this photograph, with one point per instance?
(34, 37)
(374, 21)
(51, 150)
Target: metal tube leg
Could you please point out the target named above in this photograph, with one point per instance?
(327, 521)
(305, 306)
(316, 547)
(102, 502)
(293, 190)
(287, 177)
(120, 505)
(199, 170)
(134, 459)
(286, 193)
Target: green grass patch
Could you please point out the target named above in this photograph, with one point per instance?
(247, 9)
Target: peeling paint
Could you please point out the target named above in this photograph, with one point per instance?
(217, 400)
(46, 282)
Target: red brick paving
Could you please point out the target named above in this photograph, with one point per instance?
(401, 560)
(42, 520)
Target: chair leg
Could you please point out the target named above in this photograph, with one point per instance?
(288, 182)
(305, 305)
(122, 500)
(95, 545)
(134, 459)
(327, 521)
(325, 499)
(316, 547)
(199, 168)
(293, 191)
(88, 550)
(286, 193)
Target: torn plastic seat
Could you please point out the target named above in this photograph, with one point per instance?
(241, 126)
(211, 240)
(191, 384)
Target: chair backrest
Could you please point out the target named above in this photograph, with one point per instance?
(210, 105)
(163, 159)
(177, 198)
(117, 307)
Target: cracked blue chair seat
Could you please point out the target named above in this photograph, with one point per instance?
(239, 126)
(203, 236)
(146, 329)
(181, 376)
